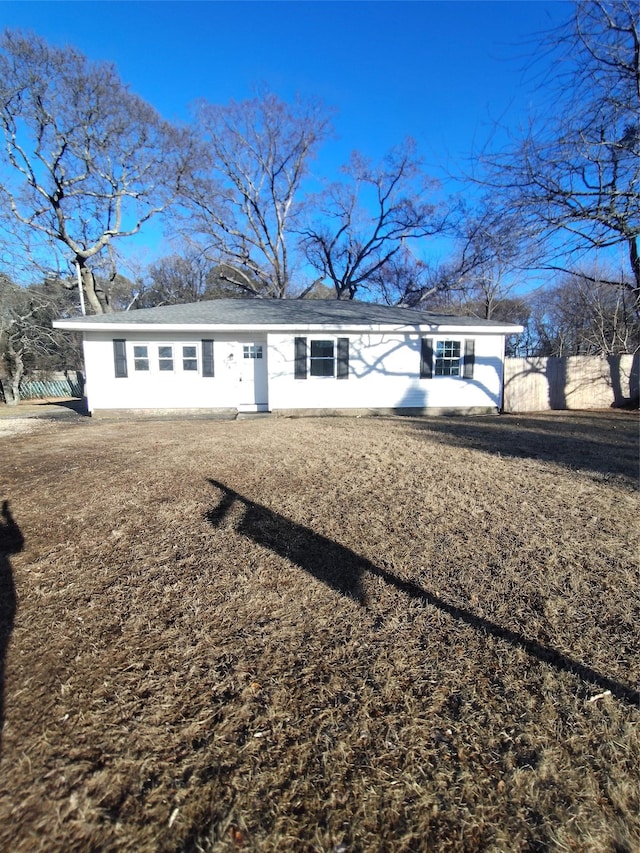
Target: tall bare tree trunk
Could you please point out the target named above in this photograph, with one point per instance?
(634, 257)
(11, 385)
(97, 298)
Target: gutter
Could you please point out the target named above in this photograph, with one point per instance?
(262, 328)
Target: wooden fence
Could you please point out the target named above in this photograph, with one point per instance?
(573, 382)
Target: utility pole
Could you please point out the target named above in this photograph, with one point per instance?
(80, 289)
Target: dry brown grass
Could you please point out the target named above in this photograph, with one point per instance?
(370, 635)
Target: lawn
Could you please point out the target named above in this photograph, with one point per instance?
(321, 635)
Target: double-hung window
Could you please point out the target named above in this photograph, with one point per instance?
(448, 358)
(165, 358)
(189, 358)
(322, 360)
(141, 357)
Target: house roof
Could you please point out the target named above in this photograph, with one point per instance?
(228, 314)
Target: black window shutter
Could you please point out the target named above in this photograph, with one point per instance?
(469, 358)
(120, 358)
(300, 366)
(342, 371)
(207, 358)
(426, 358)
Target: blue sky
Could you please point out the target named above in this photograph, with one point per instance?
(441, 72)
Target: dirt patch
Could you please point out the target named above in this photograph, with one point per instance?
(19, 426)
(322, 634)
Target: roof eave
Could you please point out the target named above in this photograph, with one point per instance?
(381, 328)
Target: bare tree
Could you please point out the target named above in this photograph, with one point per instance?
(576, 177)
(405, 280)
(85, 161)
(489, 250)
(363, 222)
(576, 316)
(244, 198)
(27, 340)
(494, 246)
(175, 279)
(190, 277)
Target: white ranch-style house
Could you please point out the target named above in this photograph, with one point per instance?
(291, 356)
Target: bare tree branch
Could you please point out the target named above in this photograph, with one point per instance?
(86, 162)
(27, 339)
(576, 178)
(361, 224)
(244, 197)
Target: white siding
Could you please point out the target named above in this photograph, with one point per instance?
(178, 389)
(384, 372)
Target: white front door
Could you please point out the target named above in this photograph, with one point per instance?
(254, 394)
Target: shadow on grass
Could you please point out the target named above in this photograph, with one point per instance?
(607, 444)
(343, 570)
(76, 404)
(11, 542)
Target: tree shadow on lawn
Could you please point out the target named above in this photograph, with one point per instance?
(343, 570)
(78, 405)
(605, 443)
(11, 542)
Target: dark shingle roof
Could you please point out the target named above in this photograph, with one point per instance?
(281, 312)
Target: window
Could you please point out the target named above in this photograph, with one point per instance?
(447, 358)
(141, 357)
(322, 358)
(189, 358)
(120, 358)
(165, 358)
(321, 363)
(252, 350)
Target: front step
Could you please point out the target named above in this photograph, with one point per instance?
(252, 416)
